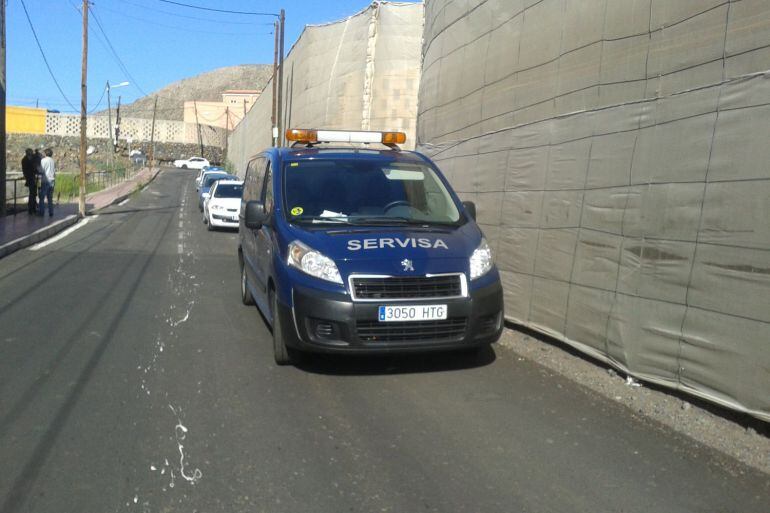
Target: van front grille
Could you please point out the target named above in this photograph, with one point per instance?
(407, 287)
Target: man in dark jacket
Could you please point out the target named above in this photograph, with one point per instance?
(29, 169)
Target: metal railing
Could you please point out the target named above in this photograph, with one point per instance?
(16, 194)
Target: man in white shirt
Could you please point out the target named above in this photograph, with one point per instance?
(47, 179)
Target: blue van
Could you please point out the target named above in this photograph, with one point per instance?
(349, 245)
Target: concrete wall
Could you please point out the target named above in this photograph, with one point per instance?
(25, 120)
(358, 73)
(218, 114)
(617, 152)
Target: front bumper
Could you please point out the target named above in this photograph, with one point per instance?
(224, 221)
(333, 323)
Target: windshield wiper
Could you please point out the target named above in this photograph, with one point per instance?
(322, 219)
(385, 220)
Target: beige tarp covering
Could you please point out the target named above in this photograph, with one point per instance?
(359, 73)
(619, 155)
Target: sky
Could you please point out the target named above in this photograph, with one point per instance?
(156, 42)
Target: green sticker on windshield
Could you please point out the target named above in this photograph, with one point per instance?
(297, 211)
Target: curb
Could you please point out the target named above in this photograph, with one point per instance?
(127, 195)
(38, 235)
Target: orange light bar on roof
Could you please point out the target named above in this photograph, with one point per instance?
(393, 137)
(301, 135)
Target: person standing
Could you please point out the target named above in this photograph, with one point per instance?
(47, 181)
(29, 169)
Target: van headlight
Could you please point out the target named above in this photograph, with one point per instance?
(312, 262)
(481, 260)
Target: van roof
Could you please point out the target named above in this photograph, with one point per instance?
(347, 152)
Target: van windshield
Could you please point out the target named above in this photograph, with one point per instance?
(361, 191)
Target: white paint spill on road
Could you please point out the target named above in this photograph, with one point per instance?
(180, 433)
(180, 321)
(61, 235)
(184, 291)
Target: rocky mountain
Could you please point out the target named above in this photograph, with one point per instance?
(204, 87)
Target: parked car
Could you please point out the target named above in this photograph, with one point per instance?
(191, 163)
(204, 174)
(206, 184)
(363, 250)
(203, 170)
(220, 210)
(137, 157)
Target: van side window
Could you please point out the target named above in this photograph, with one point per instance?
(248, 179)
(267, 191)
(252, 186)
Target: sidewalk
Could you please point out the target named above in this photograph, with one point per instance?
(22, 230)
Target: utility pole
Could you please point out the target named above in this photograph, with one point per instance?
(117, 128)
(273, 120)
(227, 133)
(109, 119)
(198, 127)
(282, 20)
(152, 132)
(83, 109)
(3, 162)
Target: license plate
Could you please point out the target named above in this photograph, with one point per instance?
(234, 219)
(412, 313)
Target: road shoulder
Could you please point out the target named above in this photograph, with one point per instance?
(736, 435)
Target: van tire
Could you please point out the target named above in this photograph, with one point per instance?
(282, 354)
(246, 297)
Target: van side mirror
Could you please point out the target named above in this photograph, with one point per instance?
(255, 215)
(470, 208)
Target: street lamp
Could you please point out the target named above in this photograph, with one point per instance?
(109, 113)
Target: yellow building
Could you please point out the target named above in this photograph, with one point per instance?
(24, 120)
(225, 114)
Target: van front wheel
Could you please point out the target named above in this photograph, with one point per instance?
(246, 297)
(282, 354)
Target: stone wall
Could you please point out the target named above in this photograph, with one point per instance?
(67, 151)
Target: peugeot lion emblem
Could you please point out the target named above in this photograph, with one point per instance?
(407, 264)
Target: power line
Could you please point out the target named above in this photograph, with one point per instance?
(218, 10)
(185, 16)
(120, 61)
(104, 90)
(173, 27)
(45, 59)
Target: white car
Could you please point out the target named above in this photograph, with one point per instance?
(191, 163)
(221, 208)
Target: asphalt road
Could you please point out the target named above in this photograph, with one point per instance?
(132, 379)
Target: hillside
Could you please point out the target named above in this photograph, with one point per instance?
(204, 87)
